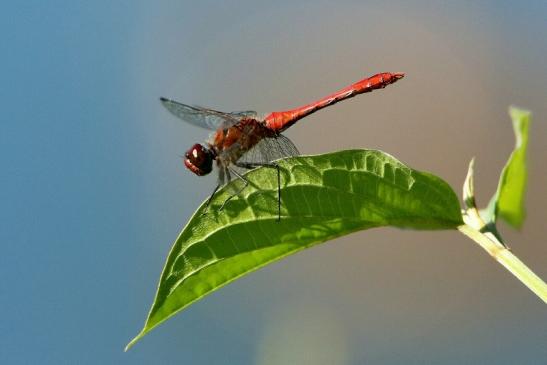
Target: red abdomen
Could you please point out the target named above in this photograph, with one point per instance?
(279, 121)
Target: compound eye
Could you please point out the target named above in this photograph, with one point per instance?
(199, 159)
(195, 154)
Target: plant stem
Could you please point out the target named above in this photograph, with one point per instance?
(505, 257)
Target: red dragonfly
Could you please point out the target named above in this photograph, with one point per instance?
(243, 140)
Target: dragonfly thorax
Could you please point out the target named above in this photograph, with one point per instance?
(199, 159)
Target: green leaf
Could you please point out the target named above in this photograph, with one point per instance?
(508, 201)
(469, 186)
(472, 216)
(323, 197)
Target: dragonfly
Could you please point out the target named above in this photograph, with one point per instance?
(242, 140)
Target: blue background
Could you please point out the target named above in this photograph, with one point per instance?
(93, 191)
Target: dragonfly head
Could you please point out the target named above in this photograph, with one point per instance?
(199, 159)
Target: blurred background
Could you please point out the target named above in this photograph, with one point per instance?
(93, 191)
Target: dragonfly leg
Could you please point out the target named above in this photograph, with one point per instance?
(219, 184)
(210, 198)
(245, 184)
(248, 165)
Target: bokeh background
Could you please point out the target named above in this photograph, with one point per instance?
(93, 191)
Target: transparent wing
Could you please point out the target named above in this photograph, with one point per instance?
(244, 114)
(270, 149)
(204, 117)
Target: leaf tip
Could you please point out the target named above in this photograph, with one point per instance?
(469, 187)
(516, 112)
(134, 341)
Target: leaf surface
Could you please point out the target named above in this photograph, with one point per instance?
(508, 201)
(323, 197)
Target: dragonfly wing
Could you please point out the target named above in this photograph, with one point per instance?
(203, 117)
(270, 149)
(245, 114)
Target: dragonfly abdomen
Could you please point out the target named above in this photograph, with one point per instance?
(279, 121)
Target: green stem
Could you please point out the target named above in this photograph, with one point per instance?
(505, 257)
